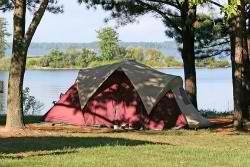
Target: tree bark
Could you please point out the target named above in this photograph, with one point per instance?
(188, 16)
(246, 17)
(16, 74)
(21, 42)
(246, 62)
(240, 67)
(189, 67)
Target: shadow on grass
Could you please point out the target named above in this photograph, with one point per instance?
(58, 145)
(27, 119)
(39, 153)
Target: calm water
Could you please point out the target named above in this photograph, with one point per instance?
(214, 86)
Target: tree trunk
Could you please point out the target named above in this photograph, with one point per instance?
(15, 86)
(247, 17)
(189, 67)
(188, 16)
(240, 68)
(16, 74)
(246, 64)
(21, 42)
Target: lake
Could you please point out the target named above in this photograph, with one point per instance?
(214, 86)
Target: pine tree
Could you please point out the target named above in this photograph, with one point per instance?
(108, 42)
(237, 14)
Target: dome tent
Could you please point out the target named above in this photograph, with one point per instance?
(126, 93)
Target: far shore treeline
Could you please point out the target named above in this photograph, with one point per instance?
(109, 50)
(74, 58)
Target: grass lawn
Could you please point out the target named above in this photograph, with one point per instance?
(128, 149)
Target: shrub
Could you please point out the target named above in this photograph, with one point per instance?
(30, 104)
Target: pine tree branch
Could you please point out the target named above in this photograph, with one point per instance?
(215, 3)
(178, 4)
(216, 53)
(165, 2)
(163, 14)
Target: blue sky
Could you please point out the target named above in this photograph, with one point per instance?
(78, 24)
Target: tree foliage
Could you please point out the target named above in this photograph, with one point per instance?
(68, 59)
(30, 104)
(135, 54)
(211, 36)
(108, 41)
(32, 5)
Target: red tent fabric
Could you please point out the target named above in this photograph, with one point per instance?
(115, 102)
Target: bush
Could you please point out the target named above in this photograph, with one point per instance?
(212, 63)
(33, 62)
(171, 62)
(135, 54)
(86, 57)
(30, 104)
(153, 55)
(70, 58)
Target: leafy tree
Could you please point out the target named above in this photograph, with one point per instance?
(135, 53)
(153, 55)
(108, 41)
(30, 104)
(70, 58)
(172, 62)
(86, 57)
(121, 53)
(21, 43)
(212, 62)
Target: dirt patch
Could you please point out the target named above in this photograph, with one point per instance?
(68, 128)
(4, 133)
(49, 129)
(222, 125)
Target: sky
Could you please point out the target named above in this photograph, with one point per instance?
(78, 24)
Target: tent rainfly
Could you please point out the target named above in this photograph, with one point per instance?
(126, 94)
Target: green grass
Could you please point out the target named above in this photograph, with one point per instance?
(126, 149)
(167, 148)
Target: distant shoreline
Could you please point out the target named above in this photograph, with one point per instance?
(65, 69)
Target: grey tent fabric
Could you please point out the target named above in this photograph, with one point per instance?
(193, 117)
(150, 84)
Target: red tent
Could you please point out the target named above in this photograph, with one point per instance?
(109, 95)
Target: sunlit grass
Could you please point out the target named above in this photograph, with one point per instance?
(167, 148)
(139, 148)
